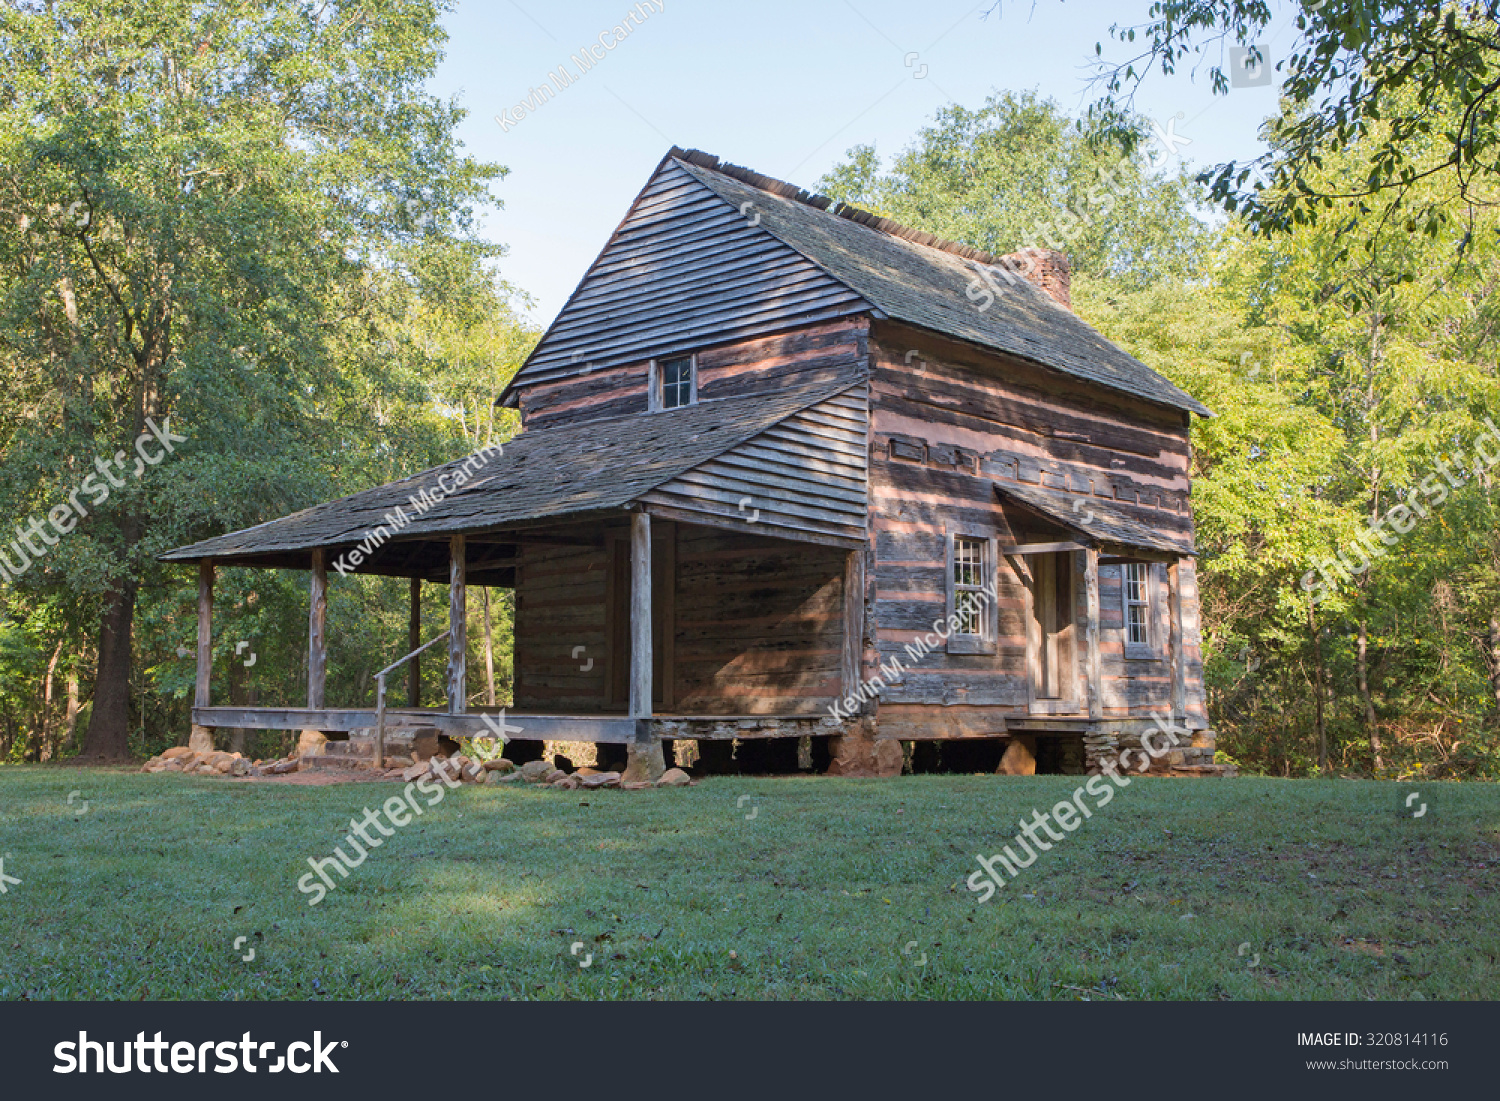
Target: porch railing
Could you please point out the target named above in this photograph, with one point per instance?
(380, 696)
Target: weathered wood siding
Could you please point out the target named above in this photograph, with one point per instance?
(803, 357)
(683, 270)
(947, 423)
(756, 623)
(560, 605)
(759, 624)
(806, 476)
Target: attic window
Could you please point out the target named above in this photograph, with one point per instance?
(674, 382)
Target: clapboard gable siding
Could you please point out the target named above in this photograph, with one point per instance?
(807, 473)
(683, 270)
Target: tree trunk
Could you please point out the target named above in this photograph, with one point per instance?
(237, 699)
(1495, 661)
(44, 741)
(70, 721)
(489, 648)
(1372, 729)
(108, 735)
(1321, 679)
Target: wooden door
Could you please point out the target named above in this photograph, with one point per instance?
(1049, 643)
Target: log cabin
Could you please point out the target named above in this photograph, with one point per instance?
(790, 471)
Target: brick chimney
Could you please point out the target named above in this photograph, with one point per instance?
(1046, 269)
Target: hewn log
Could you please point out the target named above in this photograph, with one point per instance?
(458, 632)
(1091, 633)
(414, 640)
(317, 638)
(202, 737)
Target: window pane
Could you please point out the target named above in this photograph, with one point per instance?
(968, 561)
(967, 613)
(676, 382)
(1137, 602)
(968, 580)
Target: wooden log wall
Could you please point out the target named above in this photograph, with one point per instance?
(757, 625)
(760, 624)
(948, 422)
(806, 356)
(560, 605)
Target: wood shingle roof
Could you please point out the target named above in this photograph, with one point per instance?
(562, 471)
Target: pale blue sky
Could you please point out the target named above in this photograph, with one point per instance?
(784, 88)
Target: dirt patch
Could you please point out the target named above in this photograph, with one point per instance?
(321, 777)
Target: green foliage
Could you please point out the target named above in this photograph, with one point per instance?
(246, 222)
(1019, 172)
(1366, 355)
(1414, 82)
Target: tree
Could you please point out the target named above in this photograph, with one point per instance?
(1421, 75)
(201, 208)
(1019, 172)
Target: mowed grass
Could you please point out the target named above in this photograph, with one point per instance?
(774, 888)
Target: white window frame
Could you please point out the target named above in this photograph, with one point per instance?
(1149, 648)
(984, 641)
(656, 382)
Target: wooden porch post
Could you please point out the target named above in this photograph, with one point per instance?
(1179, 664)
(458, 633)
(413, 640)
(317, 639)
(1091, 632)
(854, 622)
(644, 754)
(202, 737)
(640, 616)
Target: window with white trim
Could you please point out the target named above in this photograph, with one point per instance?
(969, 570)
(1135, 578)
(970, 613)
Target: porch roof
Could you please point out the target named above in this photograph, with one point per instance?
(1098, 523)
(552, 474)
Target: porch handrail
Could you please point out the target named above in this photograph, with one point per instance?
(380, 695)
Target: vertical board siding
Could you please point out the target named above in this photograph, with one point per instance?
(948, 422)
(560, 594)
(685, 269)
(759, 624)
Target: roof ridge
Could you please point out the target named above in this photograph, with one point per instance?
(848, 211)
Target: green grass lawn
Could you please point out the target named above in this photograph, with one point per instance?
(808, 888)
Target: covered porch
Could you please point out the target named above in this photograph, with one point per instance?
(657, 597)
